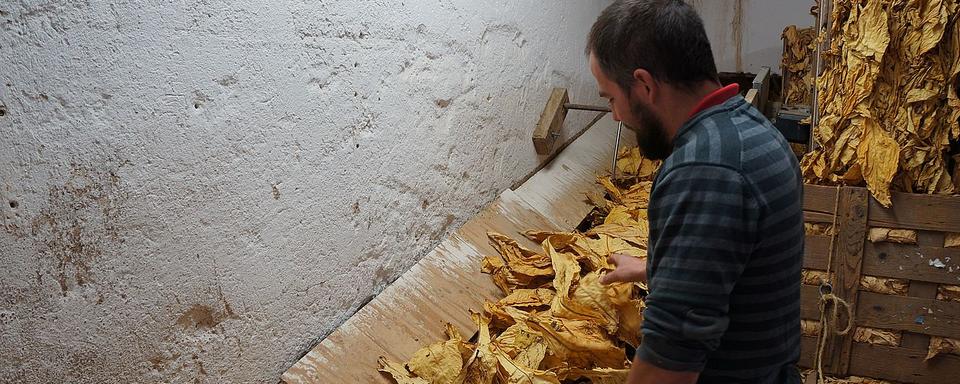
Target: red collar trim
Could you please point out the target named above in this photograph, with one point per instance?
(716, 98)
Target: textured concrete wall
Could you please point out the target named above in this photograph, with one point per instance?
(198, 190)
(757, 31)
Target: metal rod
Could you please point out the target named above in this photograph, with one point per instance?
(616, 150)
(818, 63)
(584, 107)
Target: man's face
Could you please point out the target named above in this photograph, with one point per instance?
(635, 114)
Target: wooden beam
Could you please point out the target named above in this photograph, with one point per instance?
(926, 316)
(815, 251)
(808, 352)
(917, 211)
(817, 217)
(551, 120)
(909, 210)
(925, 290)
(902, 261)
(819, 198)
(810, 302)
(905, 365)
(847, 261)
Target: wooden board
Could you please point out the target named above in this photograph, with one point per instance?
(921, 315)
(551, 120)
(916, 315)
(447, 282)
(410, 312)
(847, 260)
(903, 364)
(909, 211)
(912, 262)
(815, 251)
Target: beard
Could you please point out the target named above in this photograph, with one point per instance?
(651, 135)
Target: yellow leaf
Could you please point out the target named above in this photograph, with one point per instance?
(636, 233)
(890, 235)
(398, 373)
(952, 240)
(883, 285)
(942, 345)
(513, 373)
(528, 298)
(481, 368)
(524, 346)
(876, 336)
(879, 156)
(440, 363)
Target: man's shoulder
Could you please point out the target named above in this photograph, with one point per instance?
(712, 137)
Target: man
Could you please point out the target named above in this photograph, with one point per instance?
(726, 226)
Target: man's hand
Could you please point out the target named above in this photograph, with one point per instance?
(629, 270)
(643, 372)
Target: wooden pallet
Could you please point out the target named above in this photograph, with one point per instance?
(918, 315)
(446, 283)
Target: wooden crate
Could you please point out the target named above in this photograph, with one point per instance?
(918, 315)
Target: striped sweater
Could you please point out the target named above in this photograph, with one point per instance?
(726, 248)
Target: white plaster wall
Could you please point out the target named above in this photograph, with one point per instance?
(762, 22)
(199, 190)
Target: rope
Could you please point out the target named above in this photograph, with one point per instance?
(829, 302)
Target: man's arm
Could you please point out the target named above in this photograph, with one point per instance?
(643, 372)
(705, 220)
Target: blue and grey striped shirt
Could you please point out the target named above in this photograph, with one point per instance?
(726, 248)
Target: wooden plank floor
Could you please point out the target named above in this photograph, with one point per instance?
(446, 283)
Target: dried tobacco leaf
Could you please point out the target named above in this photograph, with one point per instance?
(952, 240)
(890, 235)
(888, 107)
(810, 327)
(883, 285)
(948, 292)
(876, 336)
(813, 277)
(942, 345)
(556, 323)
(398, 372)
(797, 64)
(439, 363)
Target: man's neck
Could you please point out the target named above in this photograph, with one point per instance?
(683, 103)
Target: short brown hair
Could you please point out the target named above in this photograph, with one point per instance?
(665, 37)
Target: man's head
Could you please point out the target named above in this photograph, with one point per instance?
(651, 59)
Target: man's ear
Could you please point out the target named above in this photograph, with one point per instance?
(644, 86)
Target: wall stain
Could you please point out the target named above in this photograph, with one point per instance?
(200, 316)
(79, 224)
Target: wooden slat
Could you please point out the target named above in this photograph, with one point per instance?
(816, 249)
(903, 364)
(808, 351)
(817, 217)
(890, 363)
(809, 302)
(916, 211)
(819, 199)
(925, 290)
(914, 314)
(909, 210)
(847, 260)
(912, 262)
(551, 120)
